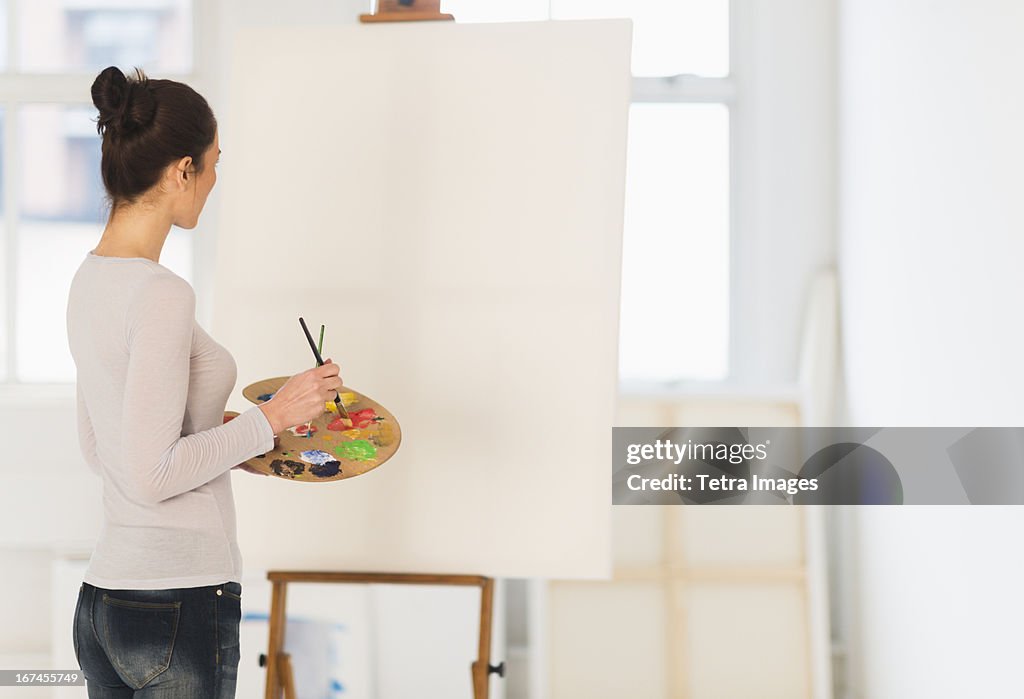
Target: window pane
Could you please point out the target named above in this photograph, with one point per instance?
(675, 275)
(496, 10)
(669, 38)
(89, 35)
(61, 218)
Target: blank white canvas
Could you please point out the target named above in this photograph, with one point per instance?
(448, 200)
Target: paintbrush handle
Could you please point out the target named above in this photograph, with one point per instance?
(312, 345)
(319, 362)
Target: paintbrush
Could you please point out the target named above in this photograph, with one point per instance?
(319, 362)
(319, 348)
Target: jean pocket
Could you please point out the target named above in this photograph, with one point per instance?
(231, 589)
(138, 637)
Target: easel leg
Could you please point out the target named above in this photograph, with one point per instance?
(284, 660)
(278, 597)
(481, 669)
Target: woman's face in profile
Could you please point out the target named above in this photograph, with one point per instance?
(204, 182)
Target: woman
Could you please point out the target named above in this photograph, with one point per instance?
(160, 604)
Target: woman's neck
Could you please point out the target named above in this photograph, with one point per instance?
(133, 232)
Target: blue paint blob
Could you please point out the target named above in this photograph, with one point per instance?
(315, 456)
(326, 470)
(265, 396)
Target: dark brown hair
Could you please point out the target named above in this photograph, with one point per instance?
(146, 125)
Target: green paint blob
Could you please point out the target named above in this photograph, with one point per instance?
(356, 450)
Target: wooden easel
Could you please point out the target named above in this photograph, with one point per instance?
(406, 11)
(278, 663)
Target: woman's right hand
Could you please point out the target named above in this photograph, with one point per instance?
(302, 397)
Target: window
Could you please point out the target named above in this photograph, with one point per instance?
(675, 318)
(54, 212)
(669, 37)
(89, 35)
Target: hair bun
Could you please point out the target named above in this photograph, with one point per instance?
(124, 105)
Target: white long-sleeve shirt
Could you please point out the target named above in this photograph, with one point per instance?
(152, 388)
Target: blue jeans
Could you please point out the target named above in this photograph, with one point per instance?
(180, 643)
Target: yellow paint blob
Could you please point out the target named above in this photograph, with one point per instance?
(384, 435)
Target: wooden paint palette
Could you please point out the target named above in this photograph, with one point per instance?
(332, 451)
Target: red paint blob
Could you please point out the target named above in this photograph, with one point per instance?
(360, 419)
(301, 429)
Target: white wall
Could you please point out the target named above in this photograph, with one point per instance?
(931, 245)
(930, 242)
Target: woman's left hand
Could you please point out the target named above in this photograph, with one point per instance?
(250, 469)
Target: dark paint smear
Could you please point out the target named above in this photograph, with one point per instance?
(287, 467)
(326, 469)
(265, 396)
(261, 456)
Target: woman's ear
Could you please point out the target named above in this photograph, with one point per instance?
(180, 173)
